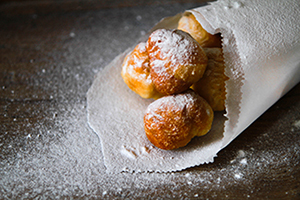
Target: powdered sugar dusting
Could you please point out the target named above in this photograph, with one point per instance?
(173, 48)
(173, 45)
(176, 102)
(176, 60)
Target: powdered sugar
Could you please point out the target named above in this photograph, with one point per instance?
(176, 102)
(176, 60)
(173, 48)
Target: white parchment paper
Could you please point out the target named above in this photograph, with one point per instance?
(262, 57)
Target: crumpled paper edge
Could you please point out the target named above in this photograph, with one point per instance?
(236, 122)
(235, 73)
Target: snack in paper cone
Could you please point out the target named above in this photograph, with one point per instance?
(261, 50)
(171, 63)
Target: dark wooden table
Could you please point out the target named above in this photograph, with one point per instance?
(50, 52)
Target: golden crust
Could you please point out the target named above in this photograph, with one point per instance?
(212, 85)
(189, 24)
(169, 63)
(172, 121)
(136, 73)
(176, 60)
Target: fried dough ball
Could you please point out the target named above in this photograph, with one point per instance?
(212, 85)
(176, 60)
(172, 121)
(189, 24)
(136, 72)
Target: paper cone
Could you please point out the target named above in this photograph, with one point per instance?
(262, 57)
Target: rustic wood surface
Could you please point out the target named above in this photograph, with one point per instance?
(50, 52)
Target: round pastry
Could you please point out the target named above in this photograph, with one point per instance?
(212, 85)
(176, 60)
(172, 121)
(189, 24)
(136, 72)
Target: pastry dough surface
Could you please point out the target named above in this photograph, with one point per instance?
(172, 121)
(176, 60)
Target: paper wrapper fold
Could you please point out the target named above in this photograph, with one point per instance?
(262, 57)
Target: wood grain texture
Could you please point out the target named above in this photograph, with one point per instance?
(49, 54)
